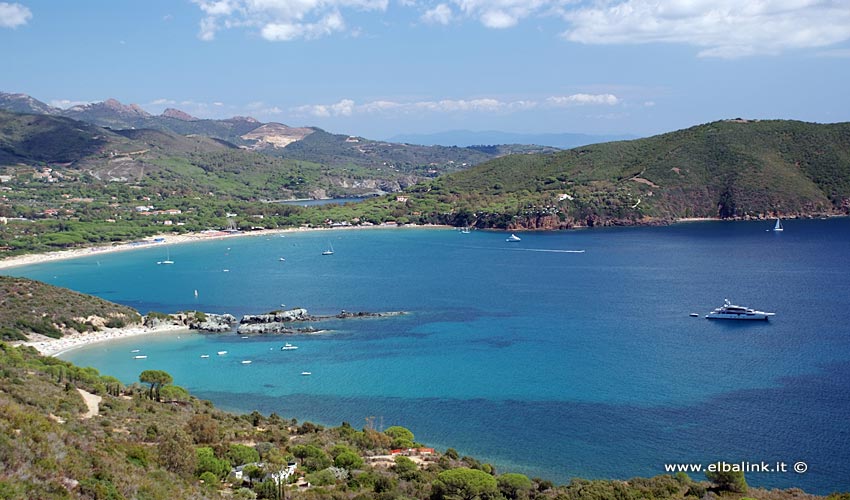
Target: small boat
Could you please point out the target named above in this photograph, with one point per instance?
(282, 259)
(221, 353)
(465, 230)
(141, 356)
(167, 258)
(512, 238)
(135, 350)
(225, 270)
(306, 373)
(329, 251)
(244, 336)
(288, 347)
(731, 311)
(778, 226)
(196, 294)
(205, 355)
(694, 315)
(246, 362)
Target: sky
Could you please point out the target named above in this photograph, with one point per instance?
(377, 68)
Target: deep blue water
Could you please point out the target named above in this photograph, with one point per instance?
(545, 362)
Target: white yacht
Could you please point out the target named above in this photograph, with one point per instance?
(512, 238)
(731, 311)
(288, 347)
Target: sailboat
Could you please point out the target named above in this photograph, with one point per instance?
(778, 226)
(330, 250)
(167, 258)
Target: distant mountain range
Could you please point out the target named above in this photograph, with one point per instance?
(463, 138)
(117, 142)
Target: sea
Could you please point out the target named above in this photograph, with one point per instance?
(566, 354)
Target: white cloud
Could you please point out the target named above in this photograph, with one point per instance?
(722, 28)
(500, 14)
(348, 107)
(280, 20)
(276, 32)
(13, 15)
(441, 14)
(583, 99)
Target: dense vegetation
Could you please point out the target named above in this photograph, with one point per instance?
(728, 169)
(152, 440)
(28, 306)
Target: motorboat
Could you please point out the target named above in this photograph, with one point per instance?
(512, 238)
(140, 356)
(221, 353)
(246, 362)
(306, 373)
(288, 347)
(731, 311)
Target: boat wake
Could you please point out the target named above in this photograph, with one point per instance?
(547, 250)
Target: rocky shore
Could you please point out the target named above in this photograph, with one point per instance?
(275, 322)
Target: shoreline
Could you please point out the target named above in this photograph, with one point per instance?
(56, 347)
(178, 239)
(173, 239)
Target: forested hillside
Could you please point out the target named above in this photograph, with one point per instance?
(726, 169)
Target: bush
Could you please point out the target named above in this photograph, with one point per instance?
(210, 480)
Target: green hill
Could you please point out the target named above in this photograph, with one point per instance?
(726, 169)
(28, 306)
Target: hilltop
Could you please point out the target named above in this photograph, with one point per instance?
(725, 169)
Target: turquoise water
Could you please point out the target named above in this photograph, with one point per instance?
(539, 360)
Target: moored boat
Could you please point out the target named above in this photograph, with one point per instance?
(512, 238)
(731, 311)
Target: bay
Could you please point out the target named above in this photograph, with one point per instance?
(527, 355)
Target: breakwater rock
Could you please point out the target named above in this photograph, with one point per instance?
(214, 323)
(299, 314)
(280, 321)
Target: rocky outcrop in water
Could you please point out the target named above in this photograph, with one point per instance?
(215, 323)
(280, 321)
(299, 314)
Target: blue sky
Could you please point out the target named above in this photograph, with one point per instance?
(377, 68)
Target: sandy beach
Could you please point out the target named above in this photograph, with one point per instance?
(55, 347)
(173, 239)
